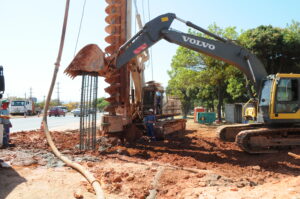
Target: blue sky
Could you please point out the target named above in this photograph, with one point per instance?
(30, 35)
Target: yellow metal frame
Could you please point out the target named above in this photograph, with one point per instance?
(285, 116)
(244, 109)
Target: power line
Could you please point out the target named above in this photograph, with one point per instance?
(151, 59)
(135, 5)
(79, 30)
(30, 93)
(58, 100)
(143, 11)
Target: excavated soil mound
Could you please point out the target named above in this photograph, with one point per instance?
(193, 164)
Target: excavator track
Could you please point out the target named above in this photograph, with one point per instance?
(268, 140)
(228, 133)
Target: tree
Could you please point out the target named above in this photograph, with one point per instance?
(277, 48)
(101, 103)
(208, 78)
(217, 81)
(218, 72)
(183, 81)
(183, 85)
(72, 105)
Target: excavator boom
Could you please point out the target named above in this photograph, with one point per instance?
(221, 49)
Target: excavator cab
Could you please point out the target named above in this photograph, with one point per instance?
(152, 97)
(285, 101)
(279, 100)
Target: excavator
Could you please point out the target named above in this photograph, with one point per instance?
(131, 97)
(277, 108)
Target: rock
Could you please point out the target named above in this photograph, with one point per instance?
(234, 189)
(59, 164)
(252, 184)
(130, 178)
(186, 177)
(228, 180)
(213, 177)
(257, 168)
(117, 179)
(240, 184)
(153, 170)
(200, 175)
(202, 184)
(24, 162)
(4, 165)
(42, 162)
(261, 181)
(78, 194)
(118, 186)
(90, 164)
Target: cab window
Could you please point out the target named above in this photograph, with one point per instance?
(265, 93)
(287, 96)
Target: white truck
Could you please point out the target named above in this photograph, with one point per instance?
(22, 107)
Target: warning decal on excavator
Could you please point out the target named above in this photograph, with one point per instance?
(140, 48)
(164, 19)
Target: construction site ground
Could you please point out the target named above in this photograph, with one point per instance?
(190, 164)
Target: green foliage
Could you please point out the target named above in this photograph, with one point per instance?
(183, 84)
(101, 103)
(203, 80)
(277, 48)
(71, 105)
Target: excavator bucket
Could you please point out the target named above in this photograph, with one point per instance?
(89, 59)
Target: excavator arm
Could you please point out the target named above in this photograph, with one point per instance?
(220, 48)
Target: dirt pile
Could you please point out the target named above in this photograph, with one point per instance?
(193, 164)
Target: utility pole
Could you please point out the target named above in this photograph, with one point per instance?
(58, 100)
(30, 93)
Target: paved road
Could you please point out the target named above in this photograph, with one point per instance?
(55, 123)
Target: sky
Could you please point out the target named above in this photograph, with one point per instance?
(30, 34)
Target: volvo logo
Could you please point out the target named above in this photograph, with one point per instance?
(198, 42)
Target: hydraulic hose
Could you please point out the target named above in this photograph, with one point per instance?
(91, 179)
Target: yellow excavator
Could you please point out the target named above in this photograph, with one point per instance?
(278, 114)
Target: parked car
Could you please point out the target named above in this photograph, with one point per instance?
(77, 112)
(56, 111)
(64, 108)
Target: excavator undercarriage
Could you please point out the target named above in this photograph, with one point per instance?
(260, 138)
